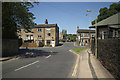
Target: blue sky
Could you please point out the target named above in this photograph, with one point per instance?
(67, 14)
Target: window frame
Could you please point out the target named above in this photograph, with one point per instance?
(48, 35)
(48, 29)
(39, 36)
(39, 29)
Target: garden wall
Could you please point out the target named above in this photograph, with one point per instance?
(109, 55)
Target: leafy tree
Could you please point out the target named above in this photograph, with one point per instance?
(105, 12)
(16, 14)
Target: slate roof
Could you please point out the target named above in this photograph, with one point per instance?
(85, 31)
(44, 25)
(110, 21)
(40, 26)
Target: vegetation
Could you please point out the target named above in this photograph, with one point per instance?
(62, 40)
(64, 31)
(20, 41)
(107, 12)
(71, 37)
(16, 14)
(79, 49)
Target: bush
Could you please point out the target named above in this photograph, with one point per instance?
(20, 42)
(62, 40)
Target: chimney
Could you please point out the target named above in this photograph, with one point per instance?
(77, 27)
(46, 22)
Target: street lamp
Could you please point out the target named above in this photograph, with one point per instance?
(89, 25)
(96, 41)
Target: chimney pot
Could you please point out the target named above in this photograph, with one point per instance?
(46, 21)
(77, 27)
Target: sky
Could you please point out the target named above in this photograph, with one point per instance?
(67, 15)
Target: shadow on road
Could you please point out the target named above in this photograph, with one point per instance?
(31, 53)
(60, 44)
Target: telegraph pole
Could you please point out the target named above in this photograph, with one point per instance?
(96, 41)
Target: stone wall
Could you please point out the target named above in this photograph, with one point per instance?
(9, 47)
(109, 55)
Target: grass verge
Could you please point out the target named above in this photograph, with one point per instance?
(78, 49)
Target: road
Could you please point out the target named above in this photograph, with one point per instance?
(48, 63)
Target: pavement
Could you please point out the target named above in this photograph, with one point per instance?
(5, 58)
(90, 67)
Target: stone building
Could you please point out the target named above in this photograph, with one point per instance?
(42, 34)
(84, 36)
(60, 35)
(108, 28)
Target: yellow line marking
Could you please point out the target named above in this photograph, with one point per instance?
(76, 66)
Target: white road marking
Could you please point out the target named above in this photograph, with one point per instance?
(51, 51)
(26, 65)
(48, 56)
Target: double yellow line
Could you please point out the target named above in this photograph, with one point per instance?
(76, 66)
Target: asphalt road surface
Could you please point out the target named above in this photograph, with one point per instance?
(46, 63)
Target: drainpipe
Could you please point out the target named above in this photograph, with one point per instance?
(44, 36)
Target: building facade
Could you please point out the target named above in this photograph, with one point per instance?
(84, 36)
(108, 28)
(42, 34)
(60, 35)
(107, 31)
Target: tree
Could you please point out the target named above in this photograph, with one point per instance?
(64, 31)
(105, 12)
(16, 14)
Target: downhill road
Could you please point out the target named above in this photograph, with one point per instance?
(55, 62)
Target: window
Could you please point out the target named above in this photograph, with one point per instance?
(48, 29)
(39, 36)
(26, 31)
(110, 33)
(40, 29)
(26, 37)
(104, 34)
(82, 34)
(31, 37)
(19, 36)
(19, 31)
(48, 34)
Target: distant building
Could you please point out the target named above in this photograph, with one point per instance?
(64, 32)
(60, 35)
(42, 34)
(84, 36)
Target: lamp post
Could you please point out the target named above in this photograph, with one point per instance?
(96, 41)
(89, 25)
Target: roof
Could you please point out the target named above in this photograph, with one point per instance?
(45, 25)
(112, 20)
(40, 26)
(85, 31)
